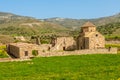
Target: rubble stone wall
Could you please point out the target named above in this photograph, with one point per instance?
(79, 52)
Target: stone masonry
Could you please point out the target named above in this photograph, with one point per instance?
(63, 43)
(90, 38)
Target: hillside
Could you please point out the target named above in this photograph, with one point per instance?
(9, 17)
(75, 23)
(15, 25)
(111, 30)
(106, 25)
(11, 24)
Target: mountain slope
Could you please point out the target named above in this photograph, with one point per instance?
(75, 23)
(112, 29)
(11, 24)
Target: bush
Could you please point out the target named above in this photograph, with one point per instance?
(3, 52)
(35, 52)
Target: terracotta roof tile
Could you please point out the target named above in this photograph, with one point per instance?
(88, 24)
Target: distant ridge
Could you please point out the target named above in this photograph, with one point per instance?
(11, 16)
(12, 24)
(75, 23)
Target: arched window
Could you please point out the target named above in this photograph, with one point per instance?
(96, 35)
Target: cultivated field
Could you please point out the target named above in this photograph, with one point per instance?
(83, 67)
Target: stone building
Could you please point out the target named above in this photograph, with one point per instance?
(90, 38)
(25, 50)
(21, 50)
(63, 43)
(89, 41)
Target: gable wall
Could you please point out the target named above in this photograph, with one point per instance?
(96, 41)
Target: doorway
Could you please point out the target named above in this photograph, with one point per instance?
(64, 48)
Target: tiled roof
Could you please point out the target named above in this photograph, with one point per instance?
(88, 24)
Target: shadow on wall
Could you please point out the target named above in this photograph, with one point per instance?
(70, 48)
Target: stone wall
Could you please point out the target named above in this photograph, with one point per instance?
(112, 42)
(64, 43)
(79, 52)
(14, 50)
(96, 40)
(25, 50)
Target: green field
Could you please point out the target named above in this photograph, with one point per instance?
(84, 67)
(112, 45)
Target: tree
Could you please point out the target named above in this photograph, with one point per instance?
(37, 39)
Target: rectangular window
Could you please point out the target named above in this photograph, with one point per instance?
(26, 53)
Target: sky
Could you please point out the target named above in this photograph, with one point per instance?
(76, 9)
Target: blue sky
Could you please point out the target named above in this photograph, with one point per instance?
(77, 9)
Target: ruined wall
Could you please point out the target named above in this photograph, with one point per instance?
(44, 47)
(64, 43)
(14, 50)
(80, 43)
(87, 43)
(20, 51)
(112, 42)
(80, 52)
(30, 49)
(96, 41)
(25, 50)
(91, 40)
(91, 29)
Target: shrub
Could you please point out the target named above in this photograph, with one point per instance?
(35, 52)
(3, 52)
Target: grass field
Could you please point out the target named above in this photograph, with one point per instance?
(112, 37)
(114, 45)
(84, 67)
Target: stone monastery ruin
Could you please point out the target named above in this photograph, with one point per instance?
(89, 41)
(89, 38)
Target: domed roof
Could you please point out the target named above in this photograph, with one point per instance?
(88, 24)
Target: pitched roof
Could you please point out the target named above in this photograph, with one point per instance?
(88, 24)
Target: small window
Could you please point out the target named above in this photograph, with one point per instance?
(26, 53)
(96, 35)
